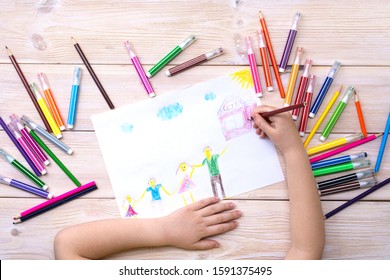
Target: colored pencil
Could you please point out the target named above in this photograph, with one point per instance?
(55, 111)
(289, 43)
(338, 160)
(303, 84)
(30, 153)
(345, 147)
(322, 117)
(94, 77)
(74, 97)
(383, 145)
(293, 76)
(19, 147)
(34, 178)
(253, 67)
(349, 187)
(334, 144)
(140, 71)
(360, 115)
(171, 55)
(265, 61)
(345, 179)
(305, 115)
(28, 89)
(55, 158)
(357, 198)
(271, 54)
(34, 146)
(324, 89)
(341, 168)
(55, 199)
(41, 131)
(281, 110)
(337, 113)
(46, 111)
(193, 62)
(25, 187)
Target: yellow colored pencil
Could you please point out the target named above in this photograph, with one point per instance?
(322, 117)
(46, 111)
(334, 144)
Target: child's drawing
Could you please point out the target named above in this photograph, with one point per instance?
(215, 174)
(153, 136)
(128, 205)
(234, 115)
(184, 173)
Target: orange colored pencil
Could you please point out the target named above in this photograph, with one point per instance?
(271, 55)
(360, 115)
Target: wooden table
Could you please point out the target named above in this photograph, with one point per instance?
(356, 33)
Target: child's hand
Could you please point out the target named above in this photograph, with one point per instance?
(187, 227)
(280, 128)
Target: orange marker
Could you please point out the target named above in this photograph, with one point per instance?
(50, 101)
(264, 61)
(271, 55)
(360, 115)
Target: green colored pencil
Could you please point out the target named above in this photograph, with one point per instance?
(54, 158)
(337, 113)
(341, 168)
(35, 179)
(171, 55)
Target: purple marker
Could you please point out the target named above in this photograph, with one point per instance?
(289, 43)
(25, 187)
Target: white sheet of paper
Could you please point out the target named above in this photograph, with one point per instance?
(150, 139)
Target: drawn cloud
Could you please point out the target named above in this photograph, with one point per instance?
(169, 112)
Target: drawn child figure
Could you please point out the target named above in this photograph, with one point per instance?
(215, 174)
(128, 204)
(186, 184)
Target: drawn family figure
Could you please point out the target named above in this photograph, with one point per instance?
(128, 204)
(213, 167)
(185, 172)
(154, 190)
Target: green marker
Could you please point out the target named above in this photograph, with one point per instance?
(54, 158)
(171, 55)
(341, 168)
(337, 113)
(7, 157)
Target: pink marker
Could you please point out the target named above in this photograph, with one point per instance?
(30, 141)
(139, 69)
(303, 83)
(38, 164)
(306, 109)
(253, 67)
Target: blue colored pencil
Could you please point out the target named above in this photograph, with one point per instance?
(338, 160)
(383, 145)
(74, 95)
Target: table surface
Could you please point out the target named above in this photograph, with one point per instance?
(356, 33)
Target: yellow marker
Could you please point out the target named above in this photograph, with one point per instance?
(322, 117)
(334, 144)
(45, 109)
(293, 76)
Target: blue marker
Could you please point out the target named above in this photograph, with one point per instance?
(383, 145)
(74, 97)
(338, 160)
(324, 89)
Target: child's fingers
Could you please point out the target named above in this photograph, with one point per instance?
(205, 244)
(203, 203)
(221, 228)
(222, 217)
(216, 208)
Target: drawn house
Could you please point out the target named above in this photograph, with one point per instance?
(234, 114)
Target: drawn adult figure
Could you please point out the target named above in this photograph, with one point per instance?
(154, 190)
(185, 171)
(215, 174)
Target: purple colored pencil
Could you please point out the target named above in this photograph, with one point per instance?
(289, 44)
(357, 198)
(21, 150)
(25, 187)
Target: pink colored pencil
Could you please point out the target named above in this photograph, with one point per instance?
(55, 199)
(253, 67)
(345, 148)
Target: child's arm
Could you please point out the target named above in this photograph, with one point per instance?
(306, 217)
(185, 228)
